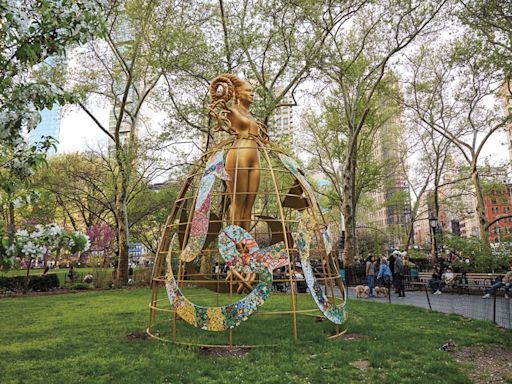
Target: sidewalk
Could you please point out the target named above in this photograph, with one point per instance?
(467, 305)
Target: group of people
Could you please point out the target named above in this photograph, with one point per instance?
(441, 278)
(384, 272)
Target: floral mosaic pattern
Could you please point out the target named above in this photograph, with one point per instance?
(252, 259)
(302, 237)
(199, 226)
(327, 240)
(336, 314)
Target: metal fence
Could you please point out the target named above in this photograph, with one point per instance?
(497, 309)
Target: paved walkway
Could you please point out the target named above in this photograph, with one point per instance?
(467, 305)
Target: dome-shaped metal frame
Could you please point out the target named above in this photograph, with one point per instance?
(284, 197)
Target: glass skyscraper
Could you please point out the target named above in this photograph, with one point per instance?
(49, 125)
(50, 118)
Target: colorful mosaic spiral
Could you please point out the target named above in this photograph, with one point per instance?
(199, 227)
(252, 259)
(302, 237)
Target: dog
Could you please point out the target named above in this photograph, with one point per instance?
(362, 291)
(381, 291)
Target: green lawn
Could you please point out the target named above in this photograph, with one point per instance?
(81, 338)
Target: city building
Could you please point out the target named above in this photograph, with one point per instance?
(282, 123)
(123, 36)
(498, 203)
(390, 209)
(49, 126)
(506, 98)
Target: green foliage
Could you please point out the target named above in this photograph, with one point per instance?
(30, 32)
(148, 212)
(489, 32)
(41, 283)
(482, 257)
(78, 242)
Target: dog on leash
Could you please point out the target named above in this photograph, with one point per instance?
(362, 291)
(381, 291)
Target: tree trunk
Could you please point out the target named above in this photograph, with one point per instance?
(480, 205)
(27, 277)
(410, 232)
(349, 212)
(11, 224)
(122, 214)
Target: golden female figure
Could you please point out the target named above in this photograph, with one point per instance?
(242, 160)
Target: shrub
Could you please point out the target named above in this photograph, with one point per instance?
(80, 286)
(36, 283)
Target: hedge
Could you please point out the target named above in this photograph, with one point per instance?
(36, 283)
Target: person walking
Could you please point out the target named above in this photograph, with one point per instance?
(370, 274)
(384, 276)
(399, 275)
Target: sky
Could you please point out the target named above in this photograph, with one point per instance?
(78, 133)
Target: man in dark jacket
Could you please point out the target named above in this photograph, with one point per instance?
(391, 262)
(399, 275)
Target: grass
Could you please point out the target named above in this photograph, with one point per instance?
(81, 338)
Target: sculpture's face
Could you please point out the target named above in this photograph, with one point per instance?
(245, 93)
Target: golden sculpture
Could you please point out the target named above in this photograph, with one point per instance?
(242, 160)
(246, 219)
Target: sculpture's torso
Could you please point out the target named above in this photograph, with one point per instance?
(243, 166)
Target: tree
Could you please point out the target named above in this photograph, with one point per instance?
(272, 44)
(19, 162)
(31, 31)
(326, 141)
(356, 63)
(102, 237)
(125, 70)
(489, 31)
(148, 213)
(454, 96)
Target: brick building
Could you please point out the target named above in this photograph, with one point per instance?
(498, 203)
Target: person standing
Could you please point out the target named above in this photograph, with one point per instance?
(391, 262)
(370, 274)
(384, 275)
(399, 275)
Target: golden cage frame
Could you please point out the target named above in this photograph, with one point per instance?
(279, 191)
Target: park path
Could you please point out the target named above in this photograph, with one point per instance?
(472, 306)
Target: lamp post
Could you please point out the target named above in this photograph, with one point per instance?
(433, 226)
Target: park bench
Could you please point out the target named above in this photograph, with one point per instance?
(475, 281)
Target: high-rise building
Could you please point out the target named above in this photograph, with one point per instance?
(281, 122)
(49, 125)
(123, 37)
(391, 207)
(507, 106)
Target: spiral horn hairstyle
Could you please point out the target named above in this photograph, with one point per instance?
(222, 90)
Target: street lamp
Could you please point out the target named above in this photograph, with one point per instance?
(433, 226)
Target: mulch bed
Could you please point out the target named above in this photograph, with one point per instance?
(138, 336)
(487, 364)
(224, 351)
